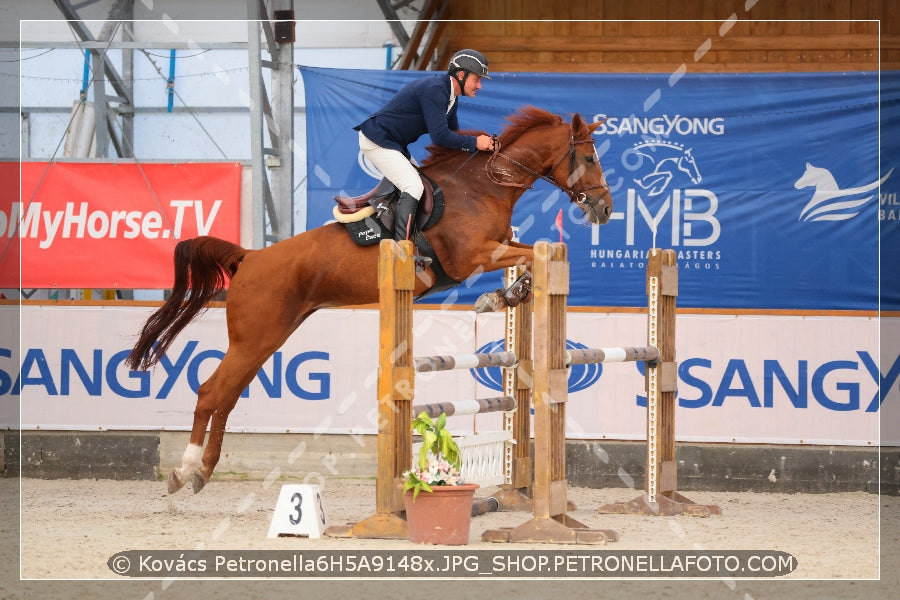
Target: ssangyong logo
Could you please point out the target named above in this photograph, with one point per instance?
(661, 126)
(829, 201)
(581, 377)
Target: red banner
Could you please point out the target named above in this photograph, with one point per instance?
(9, 242)
(105, 225)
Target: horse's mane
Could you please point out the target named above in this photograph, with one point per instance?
(521, 121)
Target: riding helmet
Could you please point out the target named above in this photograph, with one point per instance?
(471, 61)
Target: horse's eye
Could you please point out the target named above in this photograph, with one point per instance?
(589, 158)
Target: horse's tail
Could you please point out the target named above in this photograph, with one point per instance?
(201, 267)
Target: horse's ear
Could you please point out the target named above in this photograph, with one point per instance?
(579, 124)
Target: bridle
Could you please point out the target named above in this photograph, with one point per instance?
(576, 195)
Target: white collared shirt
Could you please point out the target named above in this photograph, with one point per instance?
(452, 97)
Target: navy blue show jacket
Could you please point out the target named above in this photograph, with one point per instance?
(419, 107)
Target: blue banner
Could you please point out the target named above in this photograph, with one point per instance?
(772, 188)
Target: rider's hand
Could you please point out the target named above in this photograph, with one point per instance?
(485, 142)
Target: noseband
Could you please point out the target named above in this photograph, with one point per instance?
(576, 195)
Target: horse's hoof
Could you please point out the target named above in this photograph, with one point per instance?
(175, 482)
(197, 481)
(490, 302)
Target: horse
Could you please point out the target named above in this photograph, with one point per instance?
(273, 290)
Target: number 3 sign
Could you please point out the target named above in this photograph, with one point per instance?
(299, 511)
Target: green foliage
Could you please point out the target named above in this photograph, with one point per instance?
(443, 467)
(413, 482)
(436, 440)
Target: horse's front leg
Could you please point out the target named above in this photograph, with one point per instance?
(518, 292)
(489, 256)
(502, 256)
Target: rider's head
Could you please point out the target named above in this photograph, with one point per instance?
(467, 62)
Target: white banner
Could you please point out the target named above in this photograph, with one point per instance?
(743, 379)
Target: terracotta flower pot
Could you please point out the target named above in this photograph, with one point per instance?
(442, 516)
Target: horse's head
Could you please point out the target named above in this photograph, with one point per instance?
(817, 177)
(576, 169)
(539, 144)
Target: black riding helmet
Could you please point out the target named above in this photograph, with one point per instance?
(468, 61)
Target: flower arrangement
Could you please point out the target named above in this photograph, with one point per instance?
(439, 460)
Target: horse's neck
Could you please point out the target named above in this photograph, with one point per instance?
(532, 151)
(470, 182)
(468, 187)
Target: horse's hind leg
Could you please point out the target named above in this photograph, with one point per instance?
(228, 396)
(191, 459)
(216, 398)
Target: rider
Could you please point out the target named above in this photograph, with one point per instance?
(426, 105)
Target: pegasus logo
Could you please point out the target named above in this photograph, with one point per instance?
(671, 161)
(830, 202)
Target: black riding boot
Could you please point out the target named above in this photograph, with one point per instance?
(405, 217)
(405, 224)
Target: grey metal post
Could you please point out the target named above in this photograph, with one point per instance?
(281, 163)
(256, 124)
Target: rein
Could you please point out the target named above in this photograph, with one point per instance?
(575, 195)
(456, 170)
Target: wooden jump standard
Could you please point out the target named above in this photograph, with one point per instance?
(396, 376)
(551, 523)
(660, 495)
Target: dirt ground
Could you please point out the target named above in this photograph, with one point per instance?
(70, 529)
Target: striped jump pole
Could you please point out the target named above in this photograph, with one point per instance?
(427, 364)
(588, 356)
(466, 407)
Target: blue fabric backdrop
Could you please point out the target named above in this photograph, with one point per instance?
(767, 185)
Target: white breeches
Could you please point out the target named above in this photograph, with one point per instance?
(393, 165)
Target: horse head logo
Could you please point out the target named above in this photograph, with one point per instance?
(662, 161)
(829, 201)
(580, 376)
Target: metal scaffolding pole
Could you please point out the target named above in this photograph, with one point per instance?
(281, 163)
(273, 165)
(257, 166)
(104, 71)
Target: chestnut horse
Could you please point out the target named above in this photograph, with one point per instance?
(274, 289)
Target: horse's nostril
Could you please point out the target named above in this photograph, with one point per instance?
(607, 210)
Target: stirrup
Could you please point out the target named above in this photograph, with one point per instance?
(422, 262)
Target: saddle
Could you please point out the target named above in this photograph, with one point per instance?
(370, 217)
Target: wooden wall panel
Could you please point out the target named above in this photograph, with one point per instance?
(649, 36)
